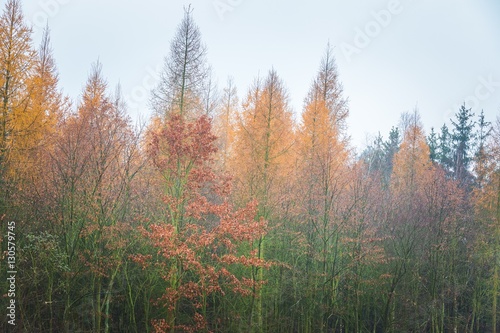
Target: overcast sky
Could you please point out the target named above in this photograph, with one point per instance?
(392, 56)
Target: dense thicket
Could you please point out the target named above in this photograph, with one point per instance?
(227, 216)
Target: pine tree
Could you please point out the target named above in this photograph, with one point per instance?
(463, 138)
(444, 151)
(391, 147)
(432, 141)
(480, 157)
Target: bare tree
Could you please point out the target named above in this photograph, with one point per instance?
(184, 74)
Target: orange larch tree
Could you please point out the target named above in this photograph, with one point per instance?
(17, 61)
(261, 161)
(322, 166)
(87, 181)
(404, 226)
(423, 229)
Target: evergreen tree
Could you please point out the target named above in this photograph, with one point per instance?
(462, 136)
(391, 147)
(481, 155)
(444, 154)
(432, 141)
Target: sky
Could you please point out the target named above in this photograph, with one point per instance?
(392, 56)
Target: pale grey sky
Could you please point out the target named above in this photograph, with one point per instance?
(392, 55)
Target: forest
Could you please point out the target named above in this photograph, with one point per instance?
(226, 213)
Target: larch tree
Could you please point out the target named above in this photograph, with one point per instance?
(322, 159)
(261, 162)
(412, 160)
(424, 228)
(110, 143)
(89, 173)
(225, 125)
(184, 77)
(17, 63)
(328, 88)
(404, 224)
(43, 111)
(46, 108)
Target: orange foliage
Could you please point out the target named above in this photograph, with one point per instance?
(200, 241)
(411, 162)
(261, 162)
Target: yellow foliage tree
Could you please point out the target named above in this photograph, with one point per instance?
(411, 162)
(225, 125)
(321, 180)
(43, 112)
(264, 137)
(261, 160)
(17, 63)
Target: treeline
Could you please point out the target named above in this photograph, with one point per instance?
(224, 215)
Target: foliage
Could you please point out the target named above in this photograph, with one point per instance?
(231, 217)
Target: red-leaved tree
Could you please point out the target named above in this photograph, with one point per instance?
(203, 246)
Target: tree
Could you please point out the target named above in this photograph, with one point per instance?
(225, 124)
(445, 153)
(462, 136)
(322, 159)
(391, 147)
(261, 161)
(412, 160)
(404, 225)
(327, 87)
(481, 157)
(44, 108)
(200, 239)
(488, 213)
(373, 155)
(185, 72)
(432, 142)
(17, 61)
(87, 183)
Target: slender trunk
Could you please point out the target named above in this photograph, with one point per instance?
(49, 301)
(67, 305)
(495, 297)
(147, 302)
(184, 76)
(108, 296)
(496, 263)
(174, 284)
(131, 301)
(260, 278)
(98, 311)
